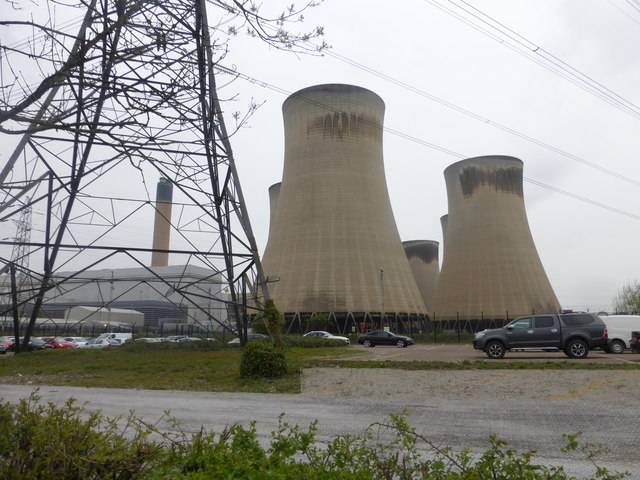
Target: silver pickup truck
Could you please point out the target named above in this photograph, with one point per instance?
(573, 333)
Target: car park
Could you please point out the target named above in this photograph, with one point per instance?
(619, 328)
(330, 336)
(382, 337)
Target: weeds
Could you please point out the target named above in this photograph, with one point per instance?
(46, 441)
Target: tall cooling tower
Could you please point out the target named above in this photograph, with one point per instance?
(162, 223)
(491, 267)
(423, 260)
(333, 229)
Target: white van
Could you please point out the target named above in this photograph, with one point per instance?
(124, 337)
(619, 328)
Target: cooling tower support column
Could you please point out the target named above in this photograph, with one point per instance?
(162, 223)
(333, 229)
(491, 267)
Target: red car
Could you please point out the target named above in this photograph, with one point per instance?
(8, 341)
(57, 342)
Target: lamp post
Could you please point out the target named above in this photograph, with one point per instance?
(381, 298)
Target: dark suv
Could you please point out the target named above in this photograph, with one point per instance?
(573, 333)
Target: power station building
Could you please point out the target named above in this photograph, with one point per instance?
(491, 268)
(333, 245)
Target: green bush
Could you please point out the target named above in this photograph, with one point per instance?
(262, 360)
(39, 441)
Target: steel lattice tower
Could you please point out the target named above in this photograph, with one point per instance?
(133, 100)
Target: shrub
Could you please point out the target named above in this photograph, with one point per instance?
(39, 441)
(262, 360)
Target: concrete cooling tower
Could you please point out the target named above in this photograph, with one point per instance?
(162, 223)
(423, 260)
(333, 233)
(491, 268)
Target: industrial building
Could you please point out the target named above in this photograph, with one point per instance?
(333, 244)
(491, 268)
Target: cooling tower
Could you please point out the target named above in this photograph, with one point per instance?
(423, 260)
(162, 223)
(333, 229)
(491, 267)
(443, 224)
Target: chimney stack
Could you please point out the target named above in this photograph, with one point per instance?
(162, 224)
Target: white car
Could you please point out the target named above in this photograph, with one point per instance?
(323, 334)
(76, 341)
(100, 343)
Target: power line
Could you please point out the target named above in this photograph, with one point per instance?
(502, 34)
(433, 146)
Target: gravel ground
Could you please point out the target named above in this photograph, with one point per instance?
(613, 387)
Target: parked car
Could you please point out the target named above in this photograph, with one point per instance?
(380, 337)
(100, 343)
(38, 344)
(189, 339)
(635, 341)
(3, 348)
(175, 338)
(122, 336)
(8, 341)
(57, 342)
(150, 339)
(250, 337)
(76, 341)
(572, 333)
(619, 328)
(323, 334)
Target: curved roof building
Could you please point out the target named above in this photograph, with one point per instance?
(424, 263)
(333, 229)
(491, 268)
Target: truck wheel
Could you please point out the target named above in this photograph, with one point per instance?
(617, 346)
(577, 349)
(494, 350)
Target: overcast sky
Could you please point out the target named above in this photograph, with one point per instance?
(453, 92)
(419, 58)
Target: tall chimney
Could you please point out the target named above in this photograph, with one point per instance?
(162, 224)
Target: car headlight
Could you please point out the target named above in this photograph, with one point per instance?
(479, 335)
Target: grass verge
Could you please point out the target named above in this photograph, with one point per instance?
(207, 366)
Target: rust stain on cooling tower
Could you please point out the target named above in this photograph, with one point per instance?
(508, 180)
(341, 125)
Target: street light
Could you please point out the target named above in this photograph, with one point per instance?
(381, 298)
